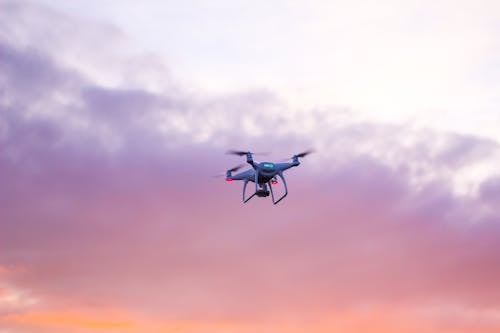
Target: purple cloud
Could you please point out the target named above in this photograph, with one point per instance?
(105, 200)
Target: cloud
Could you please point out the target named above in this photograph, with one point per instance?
(107, 202)
(490, 191)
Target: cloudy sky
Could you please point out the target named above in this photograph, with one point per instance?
(114, 115)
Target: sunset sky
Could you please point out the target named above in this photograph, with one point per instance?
(115, 115)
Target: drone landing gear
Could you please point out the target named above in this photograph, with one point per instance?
(264, 192)
(286, 189)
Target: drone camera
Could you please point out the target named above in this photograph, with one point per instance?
(262, 193)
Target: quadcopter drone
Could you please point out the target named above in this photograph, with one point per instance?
(263, 174)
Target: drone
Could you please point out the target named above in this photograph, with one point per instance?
(264, 174)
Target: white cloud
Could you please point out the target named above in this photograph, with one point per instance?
(385, 61)
(423, 62)
(12, 298)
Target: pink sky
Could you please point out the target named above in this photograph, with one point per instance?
(110, 220)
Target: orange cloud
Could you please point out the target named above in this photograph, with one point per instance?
(368, 319)
(109, 320)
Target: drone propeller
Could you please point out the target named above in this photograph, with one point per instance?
(300, 155)
(305, 153)
(242, 153)
(236, 168)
